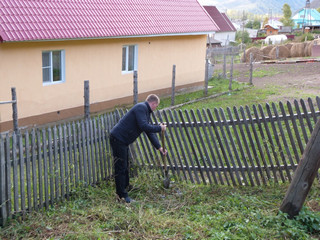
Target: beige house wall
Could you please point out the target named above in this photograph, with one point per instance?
(100, 62)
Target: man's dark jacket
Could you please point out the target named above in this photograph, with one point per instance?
(136, 121)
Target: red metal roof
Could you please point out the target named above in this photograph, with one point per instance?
(220, 19)
(29, 20)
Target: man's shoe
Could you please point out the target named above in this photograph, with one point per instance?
(129, 200)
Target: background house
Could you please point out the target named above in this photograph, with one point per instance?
(49, 48)
(226, 32)
(306, 17)
(271, 30)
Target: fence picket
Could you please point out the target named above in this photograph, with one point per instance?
(3, 200)
(56, 163)
(51, 171)
(40, 173)
(66, 161)
(235, 131)
(295, 128)
(306, 116)
(45, 169)
(70, 156)
(257, 140)
(183, 123)
(284, 161)
(270, 140)
(215, 129)
(300, 118)
(61, 166)
(194, 139)
(34, 169)
(76, 152)
(84, 154)
(28, 170)
(284, 115)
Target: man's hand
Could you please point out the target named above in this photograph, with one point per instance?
(163, 152)
(163, 127)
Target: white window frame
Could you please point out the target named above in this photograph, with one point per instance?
(135, 59)
(62, 67)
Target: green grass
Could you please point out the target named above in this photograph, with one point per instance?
(184, 211)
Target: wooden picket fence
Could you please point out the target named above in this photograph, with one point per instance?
(258, 145)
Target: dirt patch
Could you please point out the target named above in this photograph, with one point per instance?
(297, 80)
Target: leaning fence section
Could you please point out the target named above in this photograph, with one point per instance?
(250, 145)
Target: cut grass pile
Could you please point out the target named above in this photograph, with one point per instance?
(184, 211)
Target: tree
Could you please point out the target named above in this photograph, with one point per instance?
(249, 24)
(243, 36)
(318, 9)
(286, 19)
(265, 22)
(256, 24)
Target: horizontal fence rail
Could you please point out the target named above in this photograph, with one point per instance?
(250, 146)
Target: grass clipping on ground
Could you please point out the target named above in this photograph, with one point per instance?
(184, 211)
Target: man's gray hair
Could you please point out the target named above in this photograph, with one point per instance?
(153, 98)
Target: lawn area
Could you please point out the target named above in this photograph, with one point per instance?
(184, 211)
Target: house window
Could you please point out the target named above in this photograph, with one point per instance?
(129, 58)
(53, 67)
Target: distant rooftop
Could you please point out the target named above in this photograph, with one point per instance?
(33, 20)
(221, 19)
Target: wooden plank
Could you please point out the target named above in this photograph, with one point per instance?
(265, 144)
(304, 176)
(84, 153)
(228, 149)
(177, 129)
(304, 132)
(61, 163)
(306, 115)
(71, 153)
(230, 139)
(80, 145)
(3, 190)
(213, 140)
(22, 176)
(235, 131)
(40, 169)
(28, 171)
(213, 124)
(51, 170)
(181, 127)
(289, 131)
(270, 139)
(205, 144)
(312, 110)
(295, 128)
(45, 169)
(92, 150)
(97, 129)
(76, 151)
(174, 149)
(285, 144)
(56, 163)
(66, 161)
(15, 174)
(257, 141)
(246, 146)
(194, 139)
(170, 156)
(34, 169)
(105, 147)
(88, 147)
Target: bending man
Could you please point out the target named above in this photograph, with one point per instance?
(125, 132)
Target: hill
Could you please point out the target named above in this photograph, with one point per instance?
(256, 7)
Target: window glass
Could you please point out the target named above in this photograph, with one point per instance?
(124, 58)
(131, 58)
(56, 62)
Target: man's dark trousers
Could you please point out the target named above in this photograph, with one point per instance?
(120, 156)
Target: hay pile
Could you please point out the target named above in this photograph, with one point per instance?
(257, 55)
(308, 49)
(266, 51)
(284, 52)
(289, 45)
(297, 50)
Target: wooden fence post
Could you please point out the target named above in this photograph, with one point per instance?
(135, 87)
(173, 84)
(251, 69)
(304, 175)
(277, 52)
(224, 66)
(206, 78)
(86, 100)
(14, 110)
(231, 74)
